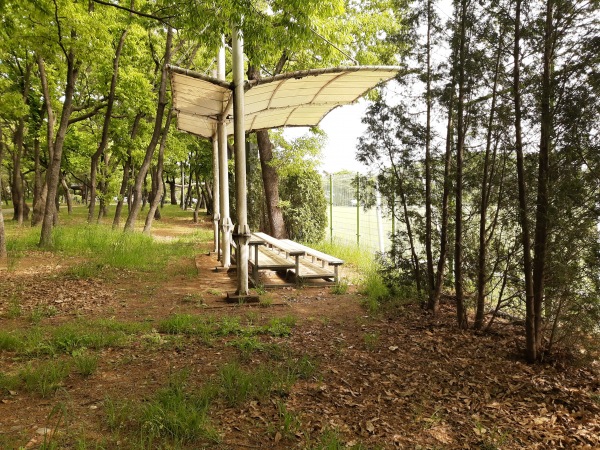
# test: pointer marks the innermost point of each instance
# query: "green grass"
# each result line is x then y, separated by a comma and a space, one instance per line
45, 378
104, 247
177, 415
85, 363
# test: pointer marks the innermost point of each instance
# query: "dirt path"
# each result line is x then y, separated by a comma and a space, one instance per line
404, 381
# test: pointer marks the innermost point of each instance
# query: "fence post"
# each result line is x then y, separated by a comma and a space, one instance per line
357, 209
331, 208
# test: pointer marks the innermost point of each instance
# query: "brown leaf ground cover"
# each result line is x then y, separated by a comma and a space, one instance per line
400, 379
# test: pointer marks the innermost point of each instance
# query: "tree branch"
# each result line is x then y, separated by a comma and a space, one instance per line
87, 115
137, 13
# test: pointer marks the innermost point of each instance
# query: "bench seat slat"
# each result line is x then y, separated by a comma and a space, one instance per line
331, 260
280, 244
268, 259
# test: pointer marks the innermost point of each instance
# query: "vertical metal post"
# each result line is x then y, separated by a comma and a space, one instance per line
379, 220
357, 210
393, 207
182, 185
226, 224
331, 208
241, 232
216, 200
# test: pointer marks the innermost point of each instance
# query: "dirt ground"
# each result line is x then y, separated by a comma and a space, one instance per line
398, 380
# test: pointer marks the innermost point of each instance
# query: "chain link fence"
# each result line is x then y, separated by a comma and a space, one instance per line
349, 221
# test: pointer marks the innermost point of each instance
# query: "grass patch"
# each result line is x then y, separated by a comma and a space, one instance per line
177, 415
85, 363
340, 288
45, 378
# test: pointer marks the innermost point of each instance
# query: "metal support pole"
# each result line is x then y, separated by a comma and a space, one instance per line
331, 208
216, 199
379, 220
241, 232
226, 224
357, 210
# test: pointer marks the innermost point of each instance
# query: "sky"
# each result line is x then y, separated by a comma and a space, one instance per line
343, 127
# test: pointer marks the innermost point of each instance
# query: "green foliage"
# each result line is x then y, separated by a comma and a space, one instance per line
304, 206
340, 288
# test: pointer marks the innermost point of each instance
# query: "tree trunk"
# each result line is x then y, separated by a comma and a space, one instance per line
53, 172
428, 213
157, 178
126, 173
172, 190
461, 316
269, 173
3, 252
541, 216
271, 186
40, 188
530, 338
483, 206
160, 110
65, 187
441, 264
21, 211
107, 117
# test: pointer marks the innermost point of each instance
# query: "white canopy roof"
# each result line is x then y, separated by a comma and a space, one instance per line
301, 98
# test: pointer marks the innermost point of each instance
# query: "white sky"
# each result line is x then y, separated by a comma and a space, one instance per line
343, 127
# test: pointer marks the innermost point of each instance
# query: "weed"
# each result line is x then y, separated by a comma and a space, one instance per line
260, 289
14, 308
265, 301
215, 292
85, 363
229, 326
371, 340
177, 415
341, 287
375, 290
56, 416
40, 312
44, 379
195, 299
247, 345
288, 420
11, 342
331, 440
117, 413
278, 327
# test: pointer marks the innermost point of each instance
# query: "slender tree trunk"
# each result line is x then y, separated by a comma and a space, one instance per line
530, 341
107, 117
21, 211
126, 173
40, 188
428, 213
53, 172
3, 252
441, 264
460, 143
159, 171
482, 257
541, 222
172, 190
270, 185
160, 110
68, 198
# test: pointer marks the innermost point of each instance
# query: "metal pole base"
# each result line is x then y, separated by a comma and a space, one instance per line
241, 236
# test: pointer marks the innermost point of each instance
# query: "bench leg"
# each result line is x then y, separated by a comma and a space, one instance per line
255, 267
335, 271
297, 268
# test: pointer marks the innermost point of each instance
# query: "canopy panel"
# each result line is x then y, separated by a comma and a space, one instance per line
293, 99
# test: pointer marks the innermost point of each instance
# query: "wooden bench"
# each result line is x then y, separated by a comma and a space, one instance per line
284, 255
316, 264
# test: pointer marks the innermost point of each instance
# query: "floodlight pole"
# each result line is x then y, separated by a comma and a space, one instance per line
226, 224
241, 232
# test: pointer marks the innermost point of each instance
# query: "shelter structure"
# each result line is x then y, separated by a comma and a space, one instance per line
214, 108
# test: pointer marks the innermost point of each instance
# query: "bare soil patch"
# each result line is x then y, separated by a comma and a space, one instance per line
400, 380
